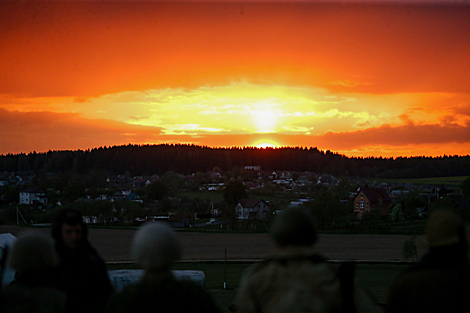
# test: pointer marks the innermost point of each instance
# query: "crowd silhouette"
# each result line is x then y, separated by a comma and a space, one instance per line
68, 275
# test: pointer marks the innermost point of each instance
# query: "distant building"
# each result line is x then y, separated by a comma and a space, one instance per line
181, 216
253, 168
134, 197
252, 208
371, 199
33, 196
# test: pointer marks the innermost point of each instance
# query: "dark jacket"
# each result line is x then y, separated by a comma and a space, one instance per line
440, 282
159, 291
34, 291
84, 279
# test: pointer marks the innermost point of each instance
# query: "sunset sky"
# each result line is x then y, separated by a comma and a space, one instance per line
360, 79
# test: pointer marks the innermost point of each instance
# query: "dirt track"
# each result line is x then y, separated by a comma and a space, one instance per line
114, 245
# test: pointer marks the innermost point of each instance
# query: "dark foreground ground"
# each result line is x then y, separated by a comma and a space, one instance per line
114, 245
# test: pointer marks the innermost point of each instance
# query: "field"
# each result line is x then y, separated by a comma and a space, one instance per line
454, 181
114, 245
206, 252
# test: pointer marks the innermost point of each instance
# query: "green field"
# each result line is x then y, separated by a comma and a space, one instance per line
376, 278
215, 196
454, 181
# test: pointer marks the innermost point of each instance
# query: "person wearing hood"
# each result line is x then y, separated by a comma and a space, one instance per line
155, 247
440, 281
84, 273
298, 279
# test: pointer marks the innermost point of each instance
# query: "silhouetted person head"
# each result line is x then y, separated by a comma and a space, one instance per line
439, 281
444, 228
155, 246
36, 287
69, 230
83, 271
447, 235
32, 251
294, 227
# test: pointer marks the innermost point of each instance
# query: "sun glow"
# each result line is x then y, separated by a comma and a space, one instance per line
265, 120
266, 143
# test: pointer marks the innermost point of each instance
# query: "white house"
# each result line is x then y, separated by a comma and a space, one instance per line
32, 196
252, 208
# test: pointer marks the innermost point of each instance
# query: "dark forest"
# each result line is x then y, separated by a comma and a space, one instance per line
187, 159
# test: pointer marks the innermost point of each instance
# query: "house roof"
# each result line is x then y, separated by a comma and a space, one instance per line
375, 193
133, 196
33, 190
250, 203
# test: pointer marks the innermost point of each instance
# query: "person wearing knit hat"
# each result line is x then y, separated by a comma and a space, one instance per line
36, 286
156, 247
32, 251
296, 278
440, 281
294, 227
444, 228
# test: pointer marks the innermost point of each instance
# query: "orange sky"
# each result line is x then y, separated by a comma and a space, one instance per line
360, 79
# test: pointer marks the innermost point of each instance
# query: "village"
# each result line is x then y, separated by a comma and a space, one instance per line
207, 200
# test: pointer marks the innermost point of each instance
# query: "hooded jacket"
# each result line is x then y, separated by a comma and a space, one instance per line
296, 279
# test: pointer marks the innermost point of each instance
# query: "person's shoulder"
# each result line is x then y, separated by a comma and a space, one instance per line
91, 254
200, 297
18, 294
124, 300
287, 258
189, 287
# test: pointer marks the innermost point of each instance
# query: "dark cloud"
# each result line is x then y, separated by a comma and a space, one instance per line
397, 136
43, 131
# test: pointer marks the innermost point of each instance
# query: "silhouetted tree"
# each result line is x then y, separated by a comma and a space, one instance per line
234, 192
410, 250
75, 190
157, 190
189, 159
328, 209
410, 202
466, 188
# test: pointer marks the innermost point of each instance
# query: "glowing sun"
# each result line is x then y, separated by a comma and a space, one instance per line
266, 144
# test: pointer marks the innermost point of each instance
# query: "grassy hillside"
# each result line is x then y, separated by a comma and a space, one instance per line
454, 181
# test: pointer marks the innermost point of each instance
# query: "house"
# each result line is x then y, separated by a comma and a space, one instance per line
215, 176
257, 185
120, 194
371, 199
33, 196
252, 208
62, 202
134, 197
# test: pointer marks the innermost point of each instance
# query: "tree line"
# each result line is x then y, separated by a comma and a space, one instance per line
187, 159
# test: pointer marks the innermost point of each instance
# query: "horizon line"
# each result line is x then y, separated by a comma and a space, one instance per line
325, 151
